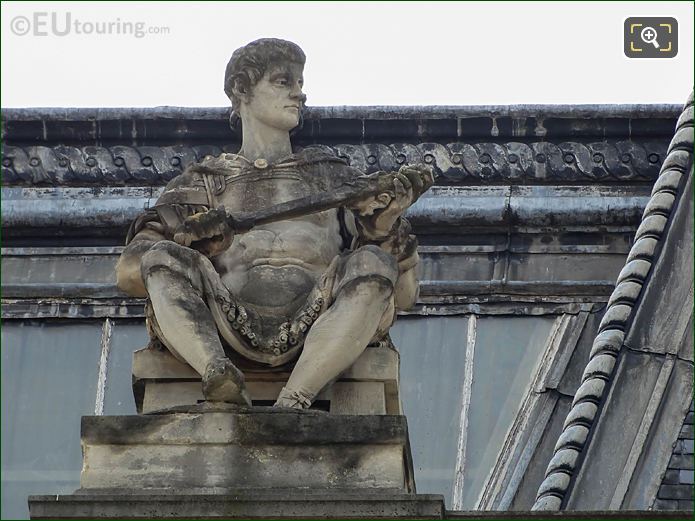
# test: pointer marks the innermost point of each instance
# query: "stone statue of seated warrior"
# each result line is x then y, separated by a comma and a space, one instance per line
313, 290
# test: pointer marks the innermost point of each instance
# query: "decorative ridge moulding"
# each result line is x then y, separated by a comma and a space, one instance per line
598, 373
456, 163
155, 125
589, 110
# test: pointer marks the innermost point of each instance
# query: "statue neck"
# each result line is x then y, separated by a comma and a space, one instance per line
260, 141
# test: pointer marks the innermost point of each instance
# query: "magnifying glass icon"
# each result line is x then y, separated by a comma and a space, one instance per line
648, 35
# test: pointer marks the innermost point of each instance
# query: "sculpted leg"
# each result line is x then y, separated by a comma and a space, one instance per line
340, 335
174, 284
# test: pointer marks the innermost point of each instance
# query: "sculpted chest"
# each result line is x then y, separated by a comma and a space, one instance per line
256, 189
253, 188
310, 241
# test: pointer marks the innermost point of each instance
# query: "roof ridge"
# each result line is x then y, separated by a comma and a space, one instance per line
598, 373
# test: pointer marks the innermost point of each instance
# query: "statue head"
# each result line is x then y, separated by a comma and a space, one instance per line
249, 64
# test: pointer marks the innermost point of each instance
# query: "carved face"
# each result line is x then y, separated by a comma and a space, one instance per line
277, 99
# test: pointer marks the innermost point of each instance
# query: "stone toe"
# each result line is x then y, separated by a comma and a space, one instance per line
223, 382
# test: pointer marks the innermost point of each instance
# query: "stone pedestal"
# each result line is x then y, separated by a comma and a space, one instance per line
221, 461
370, 386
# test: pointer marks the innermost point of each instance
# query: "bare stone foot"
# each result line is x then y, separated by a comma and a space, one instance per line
222, 382
292, 399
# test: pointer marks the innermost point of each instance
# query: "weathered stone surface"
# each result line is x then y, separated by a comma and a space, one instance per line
224, 461
260, 448
291, 505
243, 504
338, 398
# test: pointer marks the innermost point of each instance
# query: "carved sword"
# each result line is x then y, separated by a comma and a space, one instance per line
348, 193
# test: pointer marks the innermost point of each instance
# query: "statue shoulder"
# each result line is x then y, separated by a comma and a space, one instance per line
186, 188
190, 177
222, 164
325, 159
201, 177
319, 154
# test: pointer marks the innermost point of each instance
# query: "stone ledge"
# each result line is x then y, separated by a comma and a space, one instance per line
272, 504
254, 426
256, 504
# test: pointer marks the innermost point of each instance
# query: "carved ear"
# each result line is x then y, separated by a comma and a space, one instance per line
240, 92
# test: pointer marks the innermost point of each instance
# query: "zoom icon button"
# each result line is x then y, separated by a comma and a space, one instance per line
651, 37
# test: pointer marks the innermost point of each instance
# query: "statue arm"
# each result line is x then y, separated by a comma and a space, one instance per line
144, 233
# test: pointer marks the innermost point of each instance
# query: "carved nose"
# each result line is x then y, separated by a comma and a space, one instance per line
298, 94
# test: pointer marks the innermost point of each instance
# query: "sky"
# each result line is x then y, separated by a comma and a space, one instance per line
145, 54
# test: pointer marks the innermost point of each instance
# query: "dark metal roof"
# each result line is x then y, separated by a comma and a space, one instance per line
351, 125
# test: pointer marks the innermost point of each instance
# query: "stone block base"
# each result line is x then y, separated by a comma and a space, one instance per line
212, 448
246, 504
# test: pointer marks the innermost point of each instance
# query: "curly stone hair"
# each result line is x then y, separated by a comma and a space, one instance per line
249, 63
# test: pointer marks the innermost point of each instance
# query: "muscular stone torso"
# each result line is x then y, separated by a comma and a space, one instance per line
275, 266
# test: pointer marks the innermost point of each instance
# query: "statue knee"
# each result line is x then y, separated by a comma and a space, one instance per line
372, 260
166, 256
370, 271
371, 287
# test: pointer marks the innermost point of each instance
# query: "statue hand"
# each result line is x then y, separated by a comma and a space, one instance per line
380, 213
208, 232
420, 177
